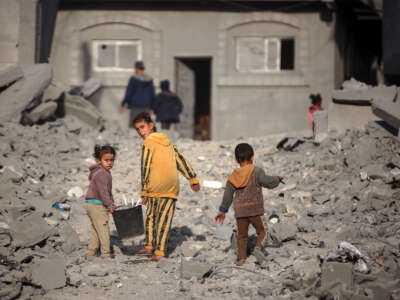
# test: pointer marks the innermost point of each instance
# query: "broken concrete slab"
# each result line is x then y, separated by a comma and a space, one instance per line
83, 110
29, 230
50, 273
389, 111
334, 272
191, 269
364, 96
41, 112
90, 86
10, 75
283, 232
224, 232
17, 97
308, 270
70, 238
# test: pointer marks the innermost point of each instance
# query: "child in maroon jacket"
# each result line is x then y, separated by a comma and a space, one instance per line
99, 200
244, 189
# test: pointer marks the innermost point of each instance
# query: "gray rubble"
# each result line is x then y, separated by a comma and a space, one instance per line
333, 227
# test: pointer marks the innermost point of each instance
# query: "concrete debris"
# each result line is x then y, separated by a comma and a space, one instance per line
389, 111
50, 273
10, 75
70, 238
83, 110
190, 269
41, 112
15, 99
29, 230
87, 89
365, 96
344, 190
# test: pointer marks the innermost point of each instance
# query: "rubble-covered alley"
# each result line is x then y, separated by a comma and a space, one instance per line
334, 230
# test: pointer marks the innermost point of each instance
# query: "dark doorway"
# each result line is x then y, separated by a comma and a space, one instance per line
193, 86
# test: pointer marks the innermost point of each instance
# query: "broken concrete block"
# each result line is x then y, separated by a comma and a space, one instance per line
389, 111
83, 110
308, 270
10, 75
191, 249
76, 191
50, 273
224, 232
29, 230
334, 272
191, 269
17, 97
42, 112
90, 86
364, 96
70, 238
283, 232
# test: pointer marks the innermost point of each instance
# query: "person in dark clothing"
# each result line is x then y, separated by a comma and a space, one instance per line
167, 106
139, 93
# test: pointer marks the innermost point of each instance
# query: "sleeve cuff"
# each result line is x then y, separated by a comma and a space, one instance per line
193, 181
223, 209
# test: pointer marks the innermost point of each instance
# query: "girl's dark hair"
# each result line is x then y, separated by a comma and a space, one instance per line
99, 151
144, 116
315, 98
243, 152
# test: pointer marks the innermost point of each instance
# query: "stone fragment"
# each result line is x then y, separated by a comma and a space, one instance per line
308, 270
334, 272
42, 112
283, 232
10, 75
50, 273
76, 191
17, 97
191, 269
224, 232
98, 273
364, 96
29, 230
70, 238
83, 110
389, 111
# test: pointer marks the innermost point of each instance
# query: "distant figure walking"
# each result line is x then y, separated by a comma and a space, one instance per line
139, 93
167, 106
316, 102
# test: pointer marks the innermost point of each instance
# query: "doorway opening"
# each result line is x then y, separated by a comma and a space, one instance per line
193, 86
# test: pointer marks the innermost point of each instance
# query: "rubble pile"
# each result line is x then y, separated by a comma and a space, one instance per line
333, 226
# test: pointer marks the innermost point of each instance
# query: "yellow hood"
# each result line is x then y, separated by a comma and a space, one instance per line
241, 176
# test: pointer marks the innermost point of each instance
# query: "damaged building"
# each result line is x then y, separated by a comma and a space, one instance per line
227, 60
244, 70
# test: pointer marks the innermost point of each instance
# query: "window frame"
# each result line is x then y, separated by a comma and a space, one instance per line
116, 43
266, 39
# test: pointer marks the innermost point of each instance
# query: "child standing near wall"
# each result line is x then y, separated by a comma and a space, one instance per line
99, 200
244, 189
160, 162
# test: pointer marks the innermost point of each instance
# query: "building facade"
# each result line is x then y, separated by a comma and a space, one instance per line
238, 73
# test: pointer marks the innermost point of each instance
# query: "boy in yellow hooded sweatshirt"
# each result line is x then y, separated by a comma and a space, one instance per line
160, 163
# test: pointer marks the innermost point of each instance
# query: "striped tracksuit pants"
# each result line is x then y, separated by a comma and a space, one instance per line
159, 214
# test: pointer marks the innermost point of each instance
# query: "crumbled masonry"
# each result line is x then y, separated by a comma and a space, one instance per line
334, 226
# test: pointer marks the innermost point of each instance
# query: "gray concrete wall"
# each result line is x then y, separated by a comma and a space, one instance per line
252, 104
9, 20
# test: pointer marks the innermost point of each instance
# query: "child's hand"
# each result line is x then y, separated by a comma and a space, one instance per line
219, 219
195, 187
111, 209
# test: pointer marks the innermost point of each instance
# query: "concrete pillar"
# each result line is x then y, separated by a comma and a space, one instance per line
27, 31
